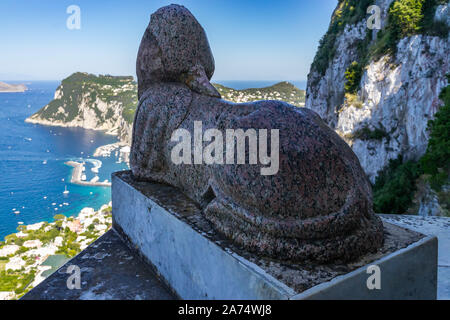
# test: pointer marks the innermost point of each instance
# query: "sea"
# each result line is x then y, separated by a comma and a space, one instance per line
33, 175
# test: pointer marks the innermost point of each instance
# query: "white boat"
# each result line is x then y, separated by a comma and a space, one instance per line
44, 162
65, 190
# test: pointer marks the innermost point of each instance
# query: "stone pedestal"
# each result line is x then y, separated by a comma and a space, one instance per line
169, 232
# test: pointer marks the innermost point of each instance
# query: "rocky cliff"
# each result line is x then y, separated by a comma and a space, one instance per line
108, 103
379, 88
84, 100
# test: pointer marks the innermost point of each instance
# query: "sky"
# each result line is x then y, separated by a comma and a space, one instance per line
250, 40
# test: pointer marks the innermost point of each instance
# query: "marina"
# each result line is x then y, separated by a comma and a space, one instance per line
77, 176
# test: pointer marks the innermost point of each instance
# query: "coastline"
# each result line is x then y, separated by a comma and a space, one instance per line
12, 91
25, 255
56, 123
77, 172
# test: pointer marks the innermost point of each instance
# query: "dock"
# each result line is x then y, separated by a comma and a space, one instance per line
77, 172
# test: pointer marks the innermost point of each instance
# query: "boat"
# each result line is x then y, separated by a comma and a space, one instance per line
65, 190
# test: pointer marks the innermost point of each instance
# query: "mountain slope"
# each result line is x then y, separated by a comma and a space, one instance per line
283, 91
379, 89
84, 100
108, 103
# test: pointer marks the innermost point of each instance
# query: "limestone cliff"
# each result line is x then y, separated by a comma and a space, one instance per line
108, 103
402, 71
104, 102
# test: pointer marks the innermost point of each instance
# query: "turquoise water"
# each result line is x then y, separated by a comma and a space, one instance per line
24, 148
24, 178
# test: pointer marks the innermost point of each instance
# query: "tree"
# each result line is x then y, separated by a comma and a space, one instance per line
436, 160
353, 76
59, 217
406, 17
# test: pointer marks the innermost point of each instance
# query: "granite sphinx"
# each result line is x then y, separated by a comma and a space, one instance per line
316, 207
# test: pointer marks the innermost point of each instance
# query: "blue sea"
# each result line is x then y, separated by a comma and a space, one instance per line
32, 162
33, 175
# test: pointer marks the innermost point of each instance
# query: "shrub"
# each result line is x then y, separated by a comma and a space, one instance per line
367, 134
395, 186
353, 76
59, 217
436, 161
405, 17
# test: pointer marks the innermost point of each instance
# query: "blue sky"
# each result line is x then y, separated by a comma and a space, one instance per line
250, 40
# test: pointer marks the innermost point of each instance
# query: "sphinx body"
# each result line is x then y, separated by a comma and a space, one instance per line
317, 207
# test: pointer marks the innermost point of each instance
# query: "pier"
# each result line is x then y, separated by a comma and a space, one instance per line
77, 172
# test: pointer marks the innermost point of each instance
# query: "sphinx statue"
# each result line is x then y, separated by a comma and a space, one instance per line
316, 203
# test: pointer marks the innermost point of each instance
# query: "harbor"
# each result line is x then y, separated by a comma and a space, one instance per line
78, 175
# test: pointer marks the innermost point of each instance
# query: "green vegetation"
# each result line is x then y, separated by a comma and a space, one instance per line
353, 76
58, 244
83, 87
90, 90
368, 134
59, 217
283, 91
348, 12
395, 186
15, 281
406, 18
70, 247
436, 161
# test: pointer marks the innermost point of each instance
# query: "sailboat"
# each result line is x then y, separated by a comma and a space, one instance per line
65, 190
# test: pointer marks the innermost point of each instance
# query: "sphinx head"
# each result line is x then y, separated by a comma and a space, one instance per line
175, 48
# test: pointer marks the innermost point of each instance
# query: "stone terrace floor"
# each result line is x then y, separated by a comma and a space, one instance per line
110, 270
431, 226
